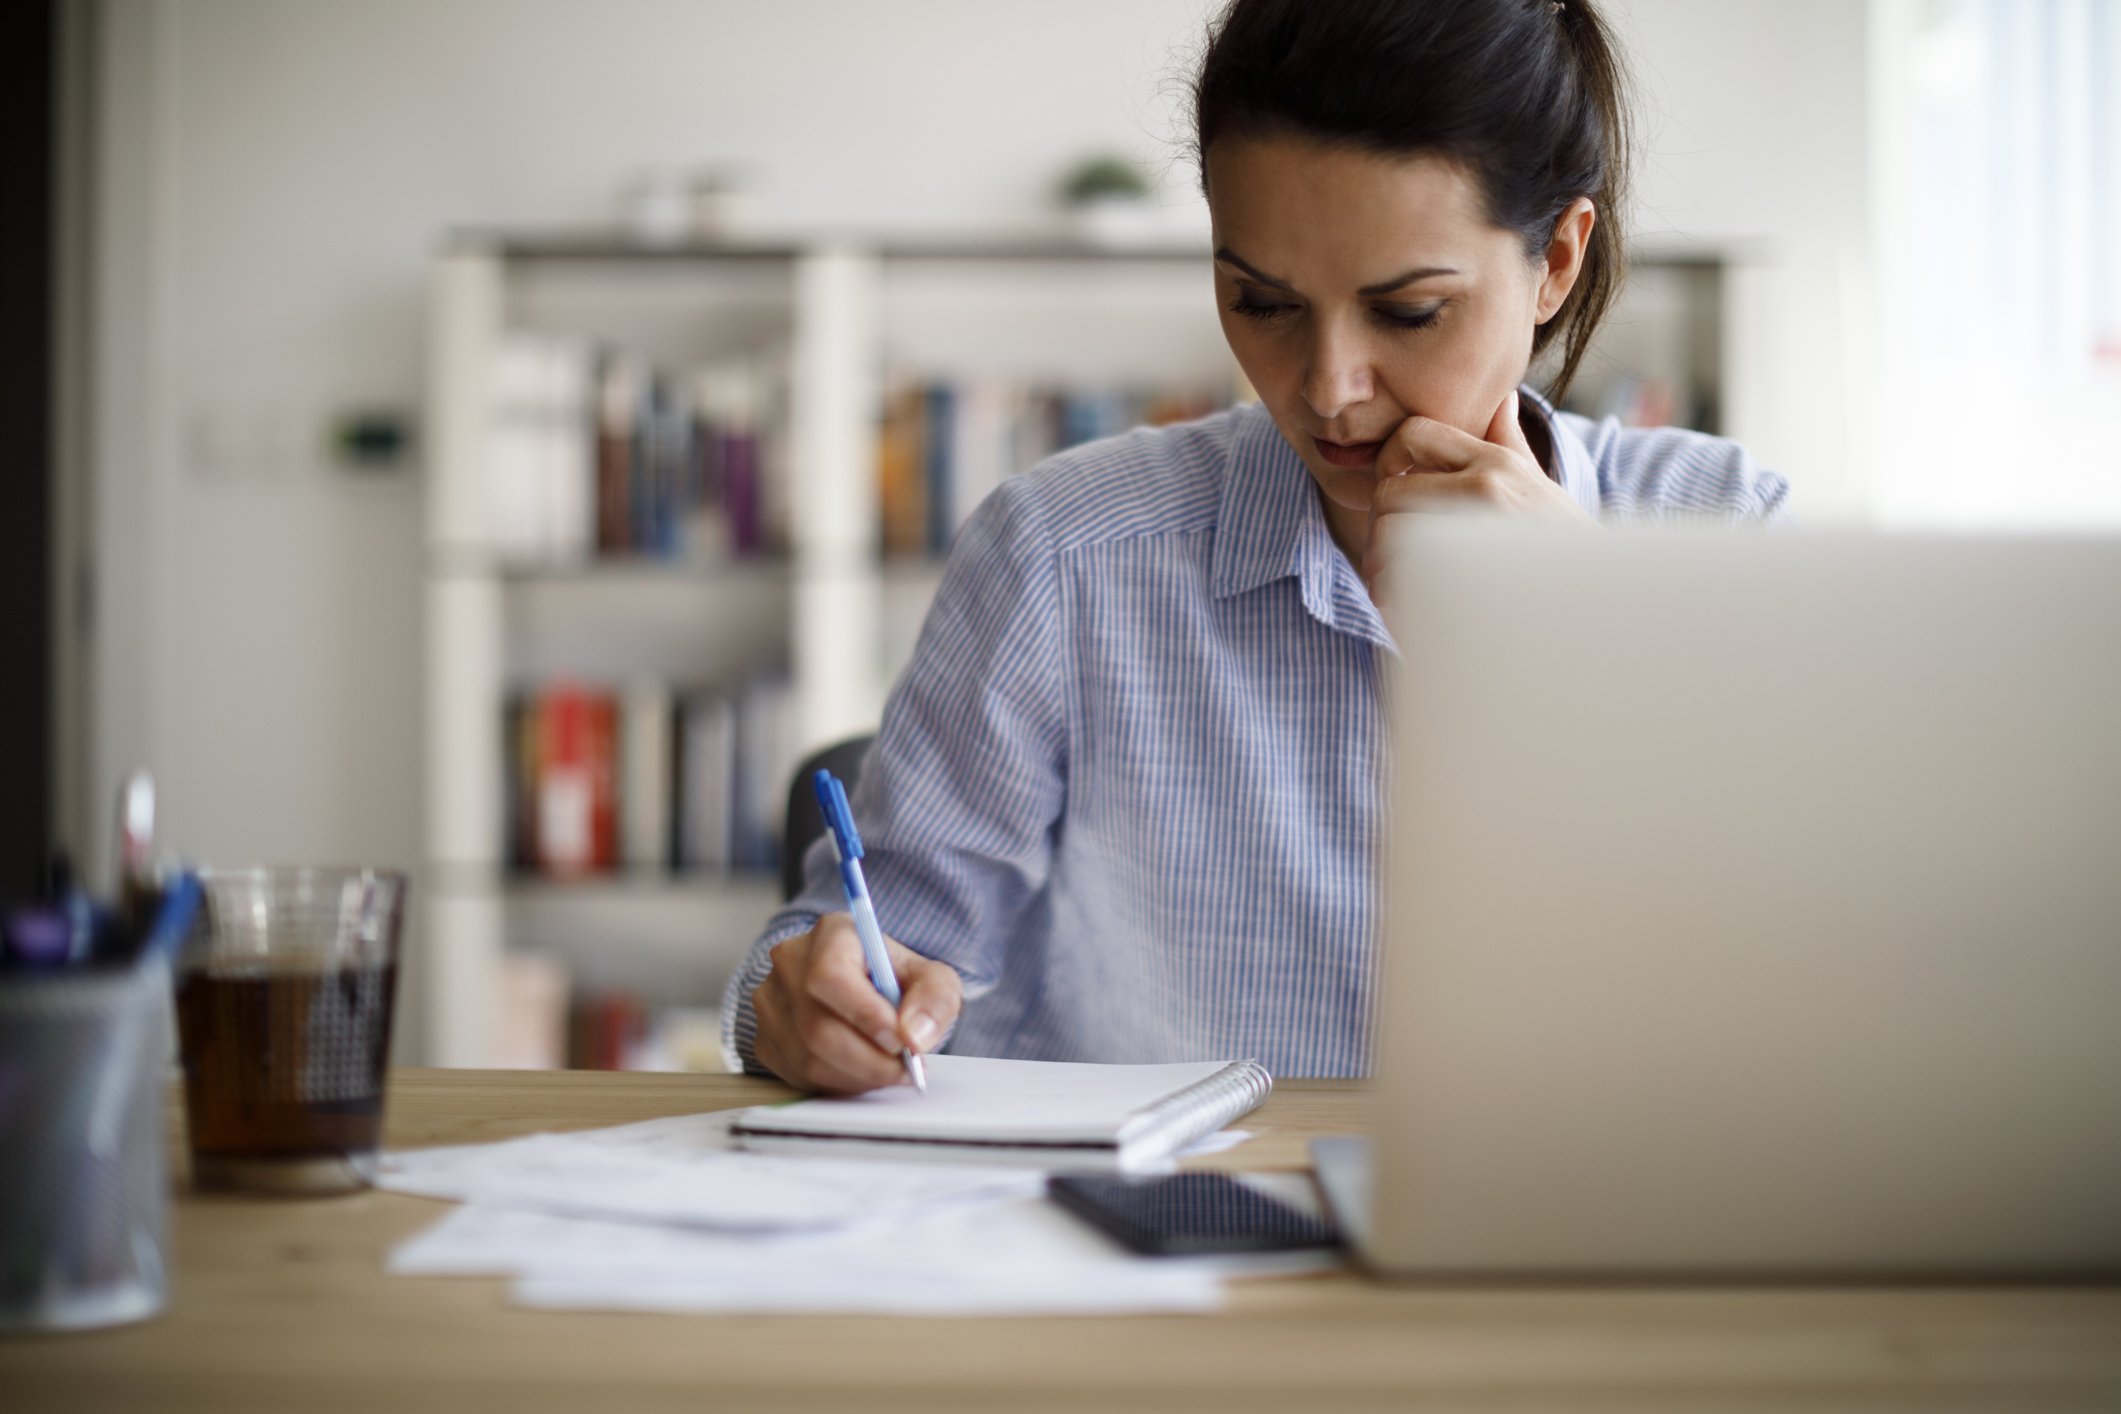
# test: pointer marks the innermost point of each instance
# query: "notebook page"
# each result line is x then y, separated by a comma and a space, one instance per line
1000, 1101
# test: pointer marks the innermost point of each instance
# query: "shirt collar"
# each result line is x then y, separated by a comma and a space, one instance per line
1270, 527
1575, 468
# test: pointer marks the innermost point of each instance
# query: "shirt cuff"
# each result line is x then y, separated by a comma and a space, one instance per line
740, 1023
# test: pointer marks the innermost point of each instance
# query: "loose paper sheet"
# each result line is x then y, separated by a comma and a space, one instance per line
665, 1216
1016, 1256
681, 1171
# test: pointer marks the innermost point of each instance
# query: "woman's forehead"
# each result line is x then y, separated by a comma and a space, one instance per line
1293, 205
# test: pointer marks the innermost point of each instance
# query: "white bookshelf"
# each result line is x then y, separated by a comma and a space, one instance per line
849, 314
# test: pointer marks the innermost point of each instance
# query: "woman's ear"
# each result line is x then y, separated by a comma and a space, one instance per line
1564, 257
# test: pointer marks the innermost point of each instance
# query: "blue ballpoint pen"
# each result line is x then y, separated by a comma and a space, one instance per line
847, 849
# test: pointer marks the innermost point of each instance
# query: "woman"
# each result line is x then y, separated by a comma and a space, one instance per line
1126, 802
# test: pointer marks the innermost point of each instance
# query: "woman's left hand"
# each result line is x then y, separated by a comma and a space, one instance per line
1429, 466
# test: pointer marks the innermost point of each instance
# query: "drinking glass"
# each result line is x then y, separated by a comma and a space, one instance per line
284, 1000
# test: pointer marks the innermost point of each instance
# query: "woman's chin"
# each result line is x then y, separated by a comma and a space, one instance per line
1352, 491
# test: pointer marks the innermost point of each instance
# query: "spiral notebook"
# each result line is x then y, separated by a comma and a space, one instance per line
1051, 1114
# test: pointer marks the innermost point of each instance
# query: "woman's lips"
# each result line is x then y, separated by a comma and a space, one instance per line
1353, 455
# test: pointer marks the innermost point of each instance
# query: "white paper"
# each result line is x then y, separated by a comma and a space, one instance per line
1005, 1101
1016, 1257
681, 1171
1220, 1142
665, 1216
920, 1295
480, 1239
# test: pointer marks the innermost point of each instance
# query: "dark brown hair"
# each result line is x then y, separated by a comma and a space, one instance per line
1529, 96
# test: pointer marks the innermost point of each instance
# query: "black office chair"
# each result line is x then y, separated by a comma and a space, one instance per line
806, 822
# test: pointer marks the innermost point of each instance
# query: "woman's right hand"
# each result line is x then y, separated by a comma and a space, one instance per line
824, 1026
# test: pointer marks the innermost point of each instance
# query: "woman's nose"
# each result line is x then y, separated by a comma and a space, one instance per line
1338, 377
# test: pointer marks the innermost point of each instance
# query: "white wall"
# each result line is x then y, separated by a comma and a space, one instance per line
275, 174
1754, 120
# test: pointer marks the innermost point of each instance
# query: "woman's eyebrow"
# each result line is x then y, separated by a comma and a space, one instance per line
1383, 287
1230, 257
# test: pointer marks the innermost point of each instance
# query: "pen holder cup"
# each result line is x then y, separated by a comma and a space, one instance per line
83, 1200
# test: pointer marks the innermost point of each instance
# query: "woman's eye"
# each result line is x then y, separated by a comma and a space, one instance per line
1258, 309
1403, 318
1393, 316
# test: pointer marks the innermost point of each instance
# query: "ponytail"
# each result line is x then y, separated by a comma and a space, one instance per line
1601, 76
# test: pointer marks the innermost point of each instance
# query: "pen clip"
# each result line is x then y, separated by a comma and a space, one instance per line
832, 799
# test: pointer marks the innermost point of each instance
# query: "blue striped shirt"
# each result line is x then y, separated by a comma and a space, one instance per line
1130, 786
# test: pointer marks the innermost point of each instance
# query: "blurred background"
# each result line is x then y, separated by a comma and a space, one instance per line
495, 438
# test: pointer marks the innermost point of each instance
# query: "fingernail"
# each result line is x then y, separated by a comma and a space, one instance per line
886, 1041
922, 1030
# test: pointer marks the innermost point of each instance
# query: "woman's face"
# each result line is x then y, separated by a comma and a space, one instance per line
1358, 290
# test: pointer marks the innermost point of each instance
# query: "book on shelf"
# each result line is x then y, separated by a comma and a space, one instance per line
533, 1012
547, 1022
707, 754
647, 757
619, 1029
944, 444
537, 461
605, 1029
765, 751
572, 737
646, 777
595, 452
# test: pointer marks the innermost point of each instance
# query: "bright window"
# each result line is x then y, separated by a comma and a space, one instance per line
1999, 131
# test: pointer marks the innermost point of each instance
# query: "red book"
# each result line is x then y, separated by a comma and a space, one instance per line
603, 763
621, 1024
565, 783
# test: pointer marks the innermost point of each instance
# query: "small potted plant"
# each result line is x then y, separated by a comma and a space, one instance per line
1106, 199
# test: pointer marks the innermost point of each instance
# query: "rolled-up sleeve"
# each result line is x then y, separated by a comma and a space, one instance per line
1661, 472
962, 792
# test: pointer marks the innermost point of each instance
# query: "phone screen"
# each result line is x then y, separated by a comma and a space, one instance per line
1189, 1213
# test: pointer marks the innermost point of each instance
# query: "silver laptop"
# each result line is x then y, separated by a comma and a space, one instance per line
1754, 908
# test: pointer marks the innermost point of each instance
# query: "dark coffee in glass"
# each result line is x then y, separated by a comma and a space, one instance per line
284, 1005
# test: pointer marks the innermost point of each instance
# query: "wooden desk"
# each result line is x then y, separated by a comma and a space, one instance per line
283, 1305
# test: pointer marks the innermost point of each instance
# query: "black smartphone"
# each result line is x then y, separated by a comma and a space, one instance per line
1188, 1213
